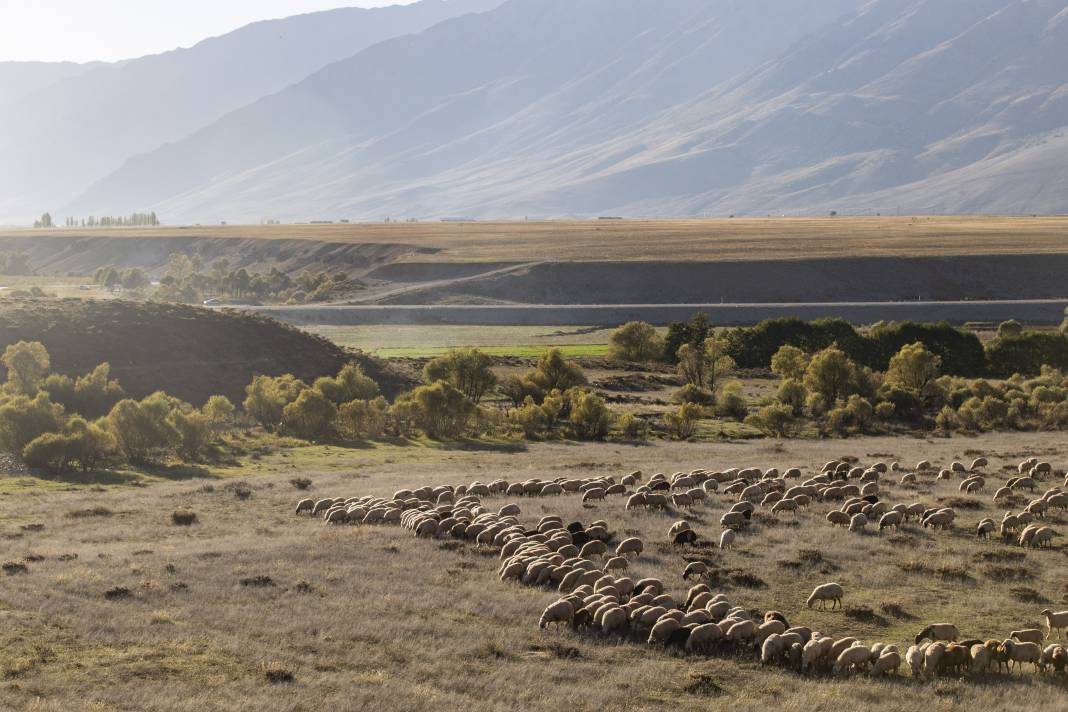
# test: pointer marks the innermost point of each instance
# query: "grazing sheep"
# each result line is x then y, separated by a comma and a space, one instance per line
662, 630
305, 505
827, 592
857, 522
694, 569
1020, 653
980, 656
687, 536
630, 546
726, 539
838, 518
978, 463
886, 663
985, 528
703, 636
617, 563
932, 658
937, 632
891, 519
914, 658
856, 657
558, 612
733, 520
594, 494
1055, 621
771, 650
1028, 635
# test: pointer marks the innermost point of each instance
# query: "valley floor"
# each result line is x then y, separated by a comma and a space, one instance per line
120, 609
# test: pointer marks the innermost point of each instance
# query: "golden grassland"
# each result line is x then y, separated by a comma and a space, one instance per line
120, 609
653, 240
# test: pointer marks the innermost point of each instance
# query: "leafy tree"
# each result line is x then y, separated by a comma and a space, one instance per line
789, 362
829, 375
632, 427
554, 372
730, 402
694, 332
692, 364
350, 384
219, 411
590, 418
441, 409
23, 419
92, 395
913, 368
792, 393
360, 419
531, 418
194, 433
267, 398
636, 341
143, 429
311, 416
469, 370
705, 365
27, 362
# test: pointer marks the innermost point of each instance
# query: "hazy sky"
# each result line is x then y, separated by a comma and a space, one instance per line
85, 30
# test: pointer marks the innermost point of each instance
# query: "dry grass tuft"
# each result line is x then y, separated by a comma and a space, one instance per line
895, 611
863, 614
118, 593
260, 581
277, 673
97, 511
184, 519
703, 684
301, 483
14, 567
1025, 594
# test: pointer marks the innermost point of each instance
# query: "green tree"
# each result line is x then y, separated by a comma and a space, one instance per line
1009, 329
219, 411
143, 430
792, 393
441, 409
92, 395
730, 401
554, 372
267, 397
311, 416
361, 419
23, 419
692, 364
829, 375
789, 362
590, 418
194, 433
469, 370
27, 362
350, 384
913, 368
636, 341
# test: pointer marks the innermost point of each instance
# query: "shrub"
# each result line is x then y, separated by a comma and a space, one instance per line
792, 393
469, 370
183, 518
884, 411
913, 368
694, 332
267, 397
517, 390
91, 395
636, 341
530, 418
730, 403
194, 433
690, 393
682, 424
554, 372
441, 409
789, 362
1027, 353
311, 416
23, 419
776, 420
143, 429
49, 451
861, 413
360, 419
349, 384
632, 427
830, 375
219, 411
590, 418
1009, 329
26, 362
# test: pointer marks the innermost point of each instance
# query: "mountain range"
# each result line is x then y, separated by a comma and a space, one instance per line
548, 108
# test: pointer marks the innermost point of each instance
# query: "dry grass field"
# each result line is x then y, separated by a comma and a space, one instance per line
653, 240
119, 608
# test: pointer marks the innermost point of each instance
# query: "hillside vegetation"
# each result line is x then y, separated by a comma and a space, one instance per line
191, 353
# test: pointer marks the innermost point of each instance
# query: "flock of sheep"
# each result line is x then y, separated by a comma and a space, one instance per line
587, 568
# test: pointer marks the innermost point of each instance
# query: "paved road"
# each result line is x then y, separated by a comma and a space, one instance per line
1042, 311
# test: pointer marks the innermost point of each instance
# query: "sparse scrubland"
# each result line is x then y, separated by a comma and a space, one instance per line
154, 554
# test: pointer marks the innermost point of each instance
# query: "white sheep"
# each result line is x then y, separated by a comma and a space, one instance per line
914, 658
1028, 635
726, 539
557, 612
826, 592
886, 663
855, 657
1055, 621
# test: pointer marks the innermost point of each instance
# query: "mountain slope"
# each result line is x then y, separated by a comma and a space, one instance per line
585, 107
73, 131
21, 79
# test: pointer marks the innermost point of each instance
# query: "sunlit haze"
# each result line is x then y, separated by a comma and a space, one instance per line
109, 30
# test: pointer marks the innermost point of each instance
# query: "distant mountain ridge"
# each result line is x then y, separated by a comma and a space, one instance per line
645, 107
85, 120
